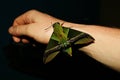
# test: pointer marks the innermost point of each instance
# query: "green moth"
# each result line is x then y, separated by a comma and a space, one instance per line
62, 39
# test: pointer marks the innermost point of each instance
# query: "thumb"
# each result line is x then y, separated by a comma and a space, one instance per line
19, 30
22, 30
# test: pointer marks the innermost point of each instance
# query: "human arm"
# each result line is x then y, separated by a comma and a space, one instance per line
106, 48
36, 25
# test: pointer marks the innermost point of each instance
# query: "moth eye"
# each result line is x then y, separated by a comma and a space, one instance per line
57, 23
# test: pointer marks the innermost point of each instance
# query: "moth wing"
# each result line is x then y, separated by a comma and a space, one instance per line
48, 58
54, 37
79, 38
85, 40
66, 31
68, 51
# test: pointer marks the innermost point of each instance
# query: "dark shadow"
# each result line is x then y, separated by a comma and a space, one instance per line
28, 60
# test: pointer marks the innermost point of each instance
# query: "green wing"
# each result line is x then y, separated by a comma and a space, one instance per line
66, 31
50, 57
60, 33
68, 51
54, 37
79, 38
47, 57
85, 39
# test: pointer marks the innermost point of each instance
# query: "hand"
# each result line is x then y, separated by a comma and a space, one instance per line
34, 24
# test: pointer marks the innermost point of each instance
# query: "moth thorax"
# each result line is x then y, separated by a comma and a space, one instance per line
65, 45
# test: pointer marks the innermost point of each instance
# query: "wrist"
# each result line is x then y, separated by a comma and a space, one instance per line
75, 26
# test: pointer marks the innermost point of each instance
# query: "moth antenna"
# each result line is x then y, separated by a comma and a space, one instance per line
49, 26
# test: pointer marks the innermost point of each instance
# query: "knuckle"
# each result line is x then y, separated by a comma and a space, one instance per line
16, 31
15, 21
33, 11
27, 30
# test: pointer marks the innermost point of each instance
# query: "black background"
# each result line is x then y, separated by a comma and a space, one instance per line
23, 62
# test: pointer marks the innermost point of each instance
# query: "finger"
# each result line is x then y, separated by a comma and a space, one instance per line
18, 30
16, 39
28, 30
25, 41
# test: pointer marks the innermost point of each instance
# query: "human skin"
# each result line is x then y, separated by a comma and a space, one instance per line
37, 25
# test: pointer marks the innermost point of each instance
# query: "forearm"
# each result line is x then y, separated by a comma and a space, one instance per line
106, 48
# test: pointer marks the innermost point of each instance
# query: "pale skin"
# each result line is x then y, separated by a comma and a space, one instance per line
37, 25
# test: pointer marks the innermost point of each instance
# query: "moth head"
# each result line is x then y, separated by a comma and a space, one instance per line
56, 24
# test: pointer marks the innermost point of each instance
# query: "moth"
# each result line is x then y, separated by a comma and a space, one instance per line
62, 39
